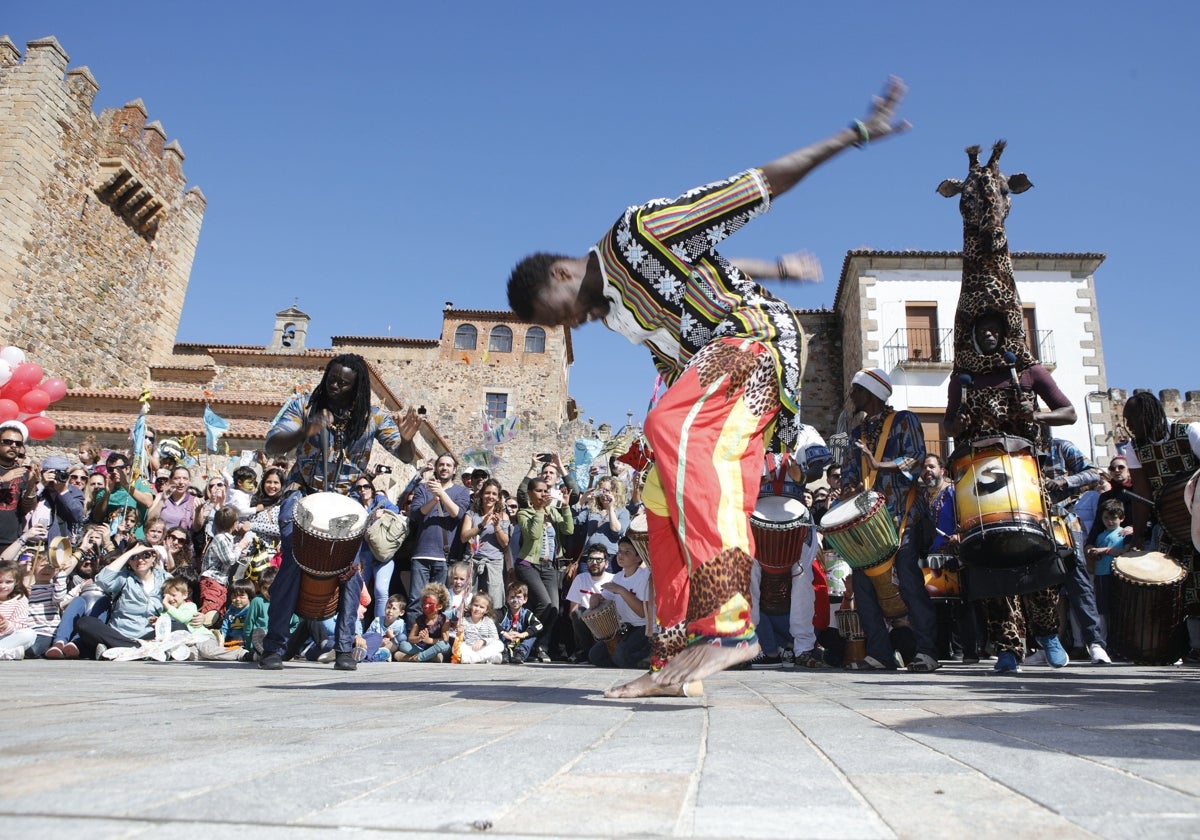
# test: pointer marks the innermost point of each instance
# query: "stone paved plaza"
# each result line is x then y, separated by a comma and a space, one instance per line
212, 750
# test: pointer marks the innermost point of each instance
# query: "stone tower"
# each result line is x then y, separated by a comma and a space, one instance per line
291, 331
97, 229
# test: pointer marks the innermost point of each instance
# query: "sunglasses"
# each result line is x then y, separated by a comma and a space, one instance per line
19, 444
176, 537
362, 486
118, 466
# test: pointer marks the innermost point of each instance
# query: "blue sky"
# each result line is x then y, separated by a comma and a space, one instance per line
375, 160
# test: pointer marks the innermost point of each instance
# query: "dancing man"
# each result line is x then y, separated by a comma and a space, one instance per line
331, 431
731, 355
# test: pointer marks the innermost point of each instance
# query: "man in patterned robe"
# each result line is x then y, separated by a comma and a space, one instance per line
731, 355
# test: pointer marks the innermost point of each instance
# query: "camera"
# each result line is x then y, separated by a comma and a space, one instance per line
60, 475
420, 409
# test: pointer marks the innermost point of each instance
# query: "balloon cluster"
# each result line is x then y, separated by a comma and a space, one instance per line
24, 395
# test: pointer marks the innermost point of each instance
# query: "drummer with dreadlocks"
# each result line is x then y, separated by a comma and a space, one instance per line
331, 430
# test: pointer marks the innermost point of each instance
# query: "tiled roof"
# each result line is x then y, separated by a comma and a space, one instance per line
179, 395
169, 425
385, 339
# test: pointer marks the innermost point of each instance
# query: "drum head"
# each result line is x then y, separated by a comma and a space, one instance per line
1148, 567
638, 524
851, 509
780, 509
332, 515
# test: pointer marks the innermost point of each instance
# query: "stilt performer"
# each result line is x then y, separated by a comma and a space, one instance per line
730, 352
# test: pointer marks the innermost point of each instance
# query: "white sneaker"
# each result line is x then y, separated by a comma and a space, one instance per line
12, 654
327, 657
1038, 657
1099, 654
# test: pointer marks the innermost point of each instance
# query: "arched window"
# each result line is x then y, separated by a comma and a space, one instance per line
289, 335
465, 337
501, 339
535, 340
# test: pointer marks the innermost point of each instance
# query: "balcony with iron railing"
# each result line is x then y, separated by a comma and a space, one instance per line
927, 349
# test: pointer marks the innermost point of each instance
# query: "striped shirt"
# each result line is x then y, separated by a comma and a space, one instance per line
670, 290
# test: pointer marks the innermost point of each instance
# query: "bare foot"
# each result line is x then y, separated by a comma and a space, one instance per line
695, 662
645, 686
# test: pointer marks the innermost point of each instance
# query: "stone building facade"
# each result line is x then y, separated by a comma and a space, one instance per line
95, 216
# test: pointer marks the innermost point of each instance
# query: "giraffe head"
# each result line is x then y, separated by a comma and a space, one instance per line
986, 196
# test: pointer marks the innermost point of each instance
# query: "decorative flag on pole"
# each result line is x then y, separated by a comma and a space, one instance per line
214, 427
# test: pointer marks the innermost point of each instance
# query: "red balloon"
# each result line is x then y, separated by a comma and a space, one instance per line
56, 388
40, 428
26, 373
14, 391
8, 410
34, 401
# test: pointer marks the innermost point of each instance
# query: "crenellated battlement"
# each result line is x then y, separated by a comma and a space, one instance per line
1183, 408
98, 217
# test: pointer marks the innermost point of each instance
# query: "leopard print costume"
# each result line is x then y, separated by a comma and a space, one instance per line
741, 365
987, 275
1007, 618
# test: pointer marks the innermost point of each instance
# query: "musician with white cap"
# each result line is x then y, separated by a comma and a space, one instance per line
885, 447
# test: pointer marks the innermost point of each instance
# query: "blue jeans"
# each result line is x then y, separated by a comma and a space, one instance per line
921, 614
377, 576
424, 572
286, 590
80, 606
1080, 593
424, 653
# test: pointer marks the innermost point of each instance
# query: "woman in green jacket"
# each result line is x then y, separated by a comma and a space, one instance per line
544, 525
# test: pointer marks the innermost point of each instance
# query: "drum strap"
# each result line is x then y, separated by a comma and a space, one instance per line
908, 503
880, 445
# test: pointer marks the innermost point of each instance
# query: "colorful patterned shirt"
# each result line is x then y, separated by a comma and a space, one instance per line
309, 469
671, 291
905, 440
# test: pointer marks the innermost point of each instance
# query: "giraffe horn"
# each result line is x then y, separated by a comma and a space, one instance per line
973, 156
997, 150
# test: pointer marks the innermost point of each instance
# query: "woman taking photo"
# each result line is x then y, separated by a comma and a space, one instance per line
487, 529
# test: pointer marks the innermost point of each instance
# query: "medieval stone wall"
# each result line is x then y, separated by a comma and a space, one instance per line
821, 389
1183, 408
95, 224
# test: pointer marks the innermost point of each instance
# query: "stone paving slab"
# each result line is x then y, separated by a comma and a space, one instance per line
127, 750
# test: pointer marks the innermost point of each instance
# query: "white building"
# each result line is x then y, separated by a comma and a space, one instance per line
897, 313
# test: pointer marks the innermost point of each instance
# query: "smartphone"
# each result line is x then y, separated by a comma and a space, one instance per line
545, 457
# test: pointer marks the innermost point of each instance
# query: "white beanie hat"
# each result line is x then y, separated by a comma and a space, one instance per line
875, 381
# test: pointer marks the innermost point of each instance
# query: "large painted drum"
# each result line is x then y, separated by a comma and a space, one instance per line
1147, 609
1002, 512
860, 530
780, 525
329, 531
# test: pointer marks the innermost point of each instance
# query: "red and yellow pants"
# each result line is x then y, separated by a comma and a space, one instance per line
707, 434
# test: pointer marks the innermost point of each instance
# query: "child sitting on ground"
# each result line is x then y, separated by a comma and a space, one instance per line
519, 627
15, 632
381, 640
458, 578
233, 629
480, 639
256, 618
427, 640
